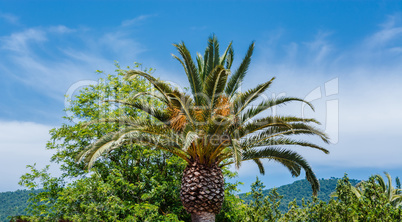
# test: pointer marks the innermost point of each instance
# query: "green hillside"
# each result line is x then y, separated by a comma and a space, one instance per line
14, 203
302, 189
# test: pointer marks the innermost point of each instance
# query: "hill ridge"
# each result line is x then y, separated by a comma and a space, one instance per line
300, 189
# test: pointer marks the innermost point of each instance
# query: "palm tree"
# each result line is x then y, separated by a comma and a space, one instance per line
393, 195
212, 127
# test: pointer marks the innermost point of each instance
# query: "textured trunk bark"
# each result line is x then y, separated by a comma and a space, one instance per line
203, 217
202, 189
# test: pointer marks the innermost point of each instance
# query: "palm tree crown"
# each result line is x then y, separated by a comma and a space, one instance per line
214, 124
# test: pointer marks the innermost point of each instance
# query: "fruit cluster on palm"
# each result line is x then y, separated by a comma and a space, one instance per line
212, 126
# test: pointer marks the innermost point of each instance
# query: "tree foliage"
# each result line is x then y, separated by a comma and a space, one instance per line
394, 195
134, 183
372, 205
138, 182
262, 208
208, 128
211, 125
301, 189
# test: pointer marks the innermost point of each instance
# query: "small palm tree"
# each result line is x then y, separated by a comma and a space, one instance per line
394, 195
212, 127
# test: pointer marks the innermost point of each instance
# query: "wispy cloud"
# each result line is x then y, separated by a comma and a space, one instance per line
390, 31
41, 63
10, 18
19, 42
369, 91
48, 60
137, 20
60, 29
320, 47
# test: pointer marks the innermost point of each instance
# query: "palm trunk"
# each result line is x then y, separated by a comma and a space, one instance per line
202, 191
203, 217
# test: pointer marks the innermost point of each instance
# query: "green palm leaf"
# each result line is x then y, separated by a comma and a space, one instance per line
269, 103
290, 159
245, 99
191, 70
237, 78
215, 84
161, 86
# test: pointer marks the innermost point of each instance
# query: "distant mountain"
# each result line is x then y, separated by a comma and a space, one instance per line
14, 203
302, 189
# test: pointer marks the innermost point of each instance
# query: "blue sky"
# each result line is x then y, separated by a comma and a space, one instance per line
344, 56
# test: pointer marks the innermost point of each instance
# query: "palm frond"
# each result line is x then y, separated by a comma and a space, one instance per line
236, 150
225, 55
209, 57
92, 157
229, 58
237, 78
108, 138
244, 99
293, 167
257, 141
200, 66
260, 124
355, 191
105, 144
269, 103
304, 129
145, 107
191, 137
288, 158
260, 166
215, 84
159, 141
161, 86
122, 121
216, 52
292, 129
151, 94
190, 69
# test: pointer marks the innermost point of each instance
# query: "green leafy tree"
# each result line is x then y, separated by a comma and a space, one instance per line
208, 128
132, 171
262, 208
394, 195
133, 183
372, 205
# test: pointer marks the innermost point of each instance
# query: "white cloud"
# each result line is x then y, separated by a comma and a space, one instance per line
390, 31
136, 20
19, 42
21, 143
368, 97
10, 18
121, 44
320, 47
61, 29
39, 64
198, 28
